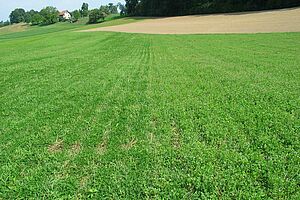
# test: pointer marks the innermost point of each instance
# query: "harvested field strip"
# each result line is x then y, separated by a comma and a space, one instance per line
285, 20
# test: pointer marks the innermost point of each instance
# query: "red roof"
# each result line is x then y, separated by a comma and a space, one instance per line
63, 12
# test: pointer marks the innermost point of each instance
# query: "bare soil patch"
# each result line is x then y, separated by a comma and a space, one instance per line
284, 20
175, 135
75, 148
102, 147
57, 146
129, 145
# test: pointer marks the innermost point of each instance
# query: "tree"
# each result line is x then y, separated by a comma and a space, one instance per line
37, 19
105, 9
95, 15
17, 16
186, 7
27, 18
7, 23
29, 15
113, 9
2, 23
84, 10
75, 15
122, 8
131, 6
103, 15
50, 15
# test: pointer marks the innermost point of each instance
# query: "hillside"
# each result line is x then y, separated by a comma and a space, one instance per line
285, 20
109, 115
25, 30
13, 28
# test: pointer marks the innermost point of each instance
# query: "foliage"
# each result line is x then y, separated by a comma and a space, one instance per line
50, 15
17, 15
105, 9
95, 15
2, 23
6, 23
122, 8
37, 19
131, 6
29, 16
184, 7
113, 9
76, 15
84, 10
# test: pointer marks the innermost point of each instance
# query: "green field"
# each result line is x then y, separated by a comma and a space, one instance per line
132, 116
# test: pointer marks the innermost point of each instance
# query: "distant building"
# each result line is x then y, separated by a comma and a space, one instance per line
65, 15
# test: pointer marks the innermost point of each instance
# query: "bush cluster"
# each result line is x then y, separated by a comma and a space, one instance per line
97, 15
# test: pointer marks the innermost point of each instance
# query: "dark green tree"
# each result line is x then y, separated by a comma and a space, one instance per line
27, 18
50, 15
131, 6
75, 15
37, 19
95, 15
29, 15
186, 7
17, 16
84, 10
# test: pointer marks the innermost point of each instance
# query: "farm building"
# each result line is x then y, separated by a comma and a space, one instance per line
65, 15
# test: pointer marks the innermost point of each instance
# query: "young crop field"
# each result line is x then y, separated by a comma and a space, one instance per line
134, 116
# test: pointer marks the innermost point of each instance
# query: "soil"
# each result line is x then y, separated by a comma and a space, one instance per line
284, 20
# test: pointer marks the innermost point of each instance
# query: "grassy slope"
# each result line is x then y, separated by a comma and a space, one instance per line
23, 30
134, 116
13, 28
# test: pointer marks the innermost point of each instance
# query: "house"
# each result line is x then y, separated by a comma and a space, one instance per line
65, 15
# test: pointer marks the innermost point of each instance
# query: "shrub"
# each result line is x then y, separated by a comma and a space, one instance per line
95, 15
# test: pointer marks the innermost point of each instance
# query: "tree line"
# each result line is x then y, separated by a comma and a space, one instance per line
2, 23
50, 15
190, 7
97, 15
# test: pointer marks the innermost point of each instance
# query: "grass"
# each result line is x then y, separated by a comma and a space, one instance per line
23, 30
13, 28
132, 116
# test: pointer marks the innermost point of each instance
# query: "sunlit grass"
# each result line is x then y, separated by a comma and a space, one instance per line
132, 116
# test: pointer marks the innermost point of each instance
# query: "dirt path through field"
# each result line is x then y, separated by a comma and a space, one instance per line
285, 20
